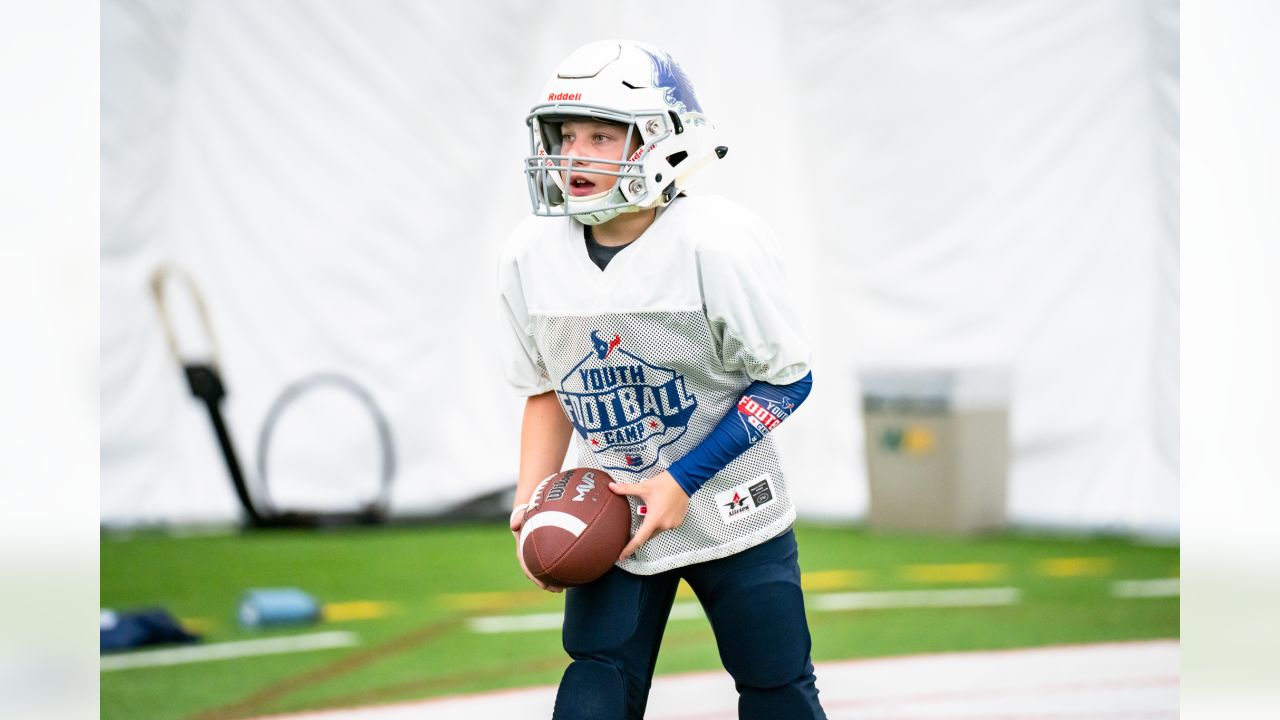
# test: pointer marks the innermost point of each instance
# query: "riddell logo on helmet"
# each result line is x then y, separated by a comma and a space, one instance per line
564, 96
640, 151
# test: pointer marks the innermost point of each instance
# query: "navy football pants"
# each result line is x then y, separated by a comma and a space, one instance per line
613, 627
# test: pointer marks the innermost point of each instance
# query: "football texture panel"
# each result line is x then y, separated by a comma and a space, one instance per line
575, 527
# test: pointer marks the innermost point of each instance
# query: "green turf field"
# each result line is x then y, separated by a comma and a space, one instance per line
408, 594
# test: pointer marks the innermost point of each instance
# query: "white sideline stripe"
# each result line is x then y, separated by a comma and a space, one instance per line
916, 598
1163, 587
1082, 682
1079, 682
229, 650
821, 602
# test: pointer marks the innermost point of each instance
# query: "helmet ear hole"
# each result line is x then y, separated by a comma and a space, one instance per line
676, 158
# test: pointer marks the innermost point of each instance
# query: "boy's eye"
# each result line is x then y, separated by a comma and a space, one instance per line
600, 137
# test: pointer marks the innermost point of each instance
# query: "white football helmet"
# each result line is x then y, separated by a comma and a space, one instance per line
634, 84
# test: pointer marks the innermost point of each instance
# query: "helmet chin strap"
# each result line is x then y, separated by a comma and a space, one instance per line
597, 217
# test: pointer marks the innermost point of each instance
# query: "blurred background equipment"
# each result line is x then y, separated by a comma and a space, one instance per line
269, 607
128, 630
937, 448
205, 381
204, 378
374, 508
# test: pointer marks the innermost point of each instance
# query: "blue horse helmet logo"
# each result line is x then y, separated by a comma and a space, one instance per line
668, 75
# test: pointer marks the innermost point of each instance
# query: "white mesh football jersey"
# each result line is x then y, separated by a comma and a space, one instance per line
649, 354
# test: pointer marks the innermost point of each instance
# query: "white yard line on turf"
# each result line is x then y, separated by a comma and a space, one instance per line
1162, 587
553, 620
818, 602
516, 623
976, 597
229, 650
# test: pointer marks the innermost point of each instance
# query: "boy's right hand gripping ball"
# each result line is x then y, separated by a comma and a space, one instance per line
575, 527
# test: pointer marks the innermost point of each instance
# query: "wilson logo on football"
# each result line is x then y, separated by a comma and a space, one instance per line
587, 485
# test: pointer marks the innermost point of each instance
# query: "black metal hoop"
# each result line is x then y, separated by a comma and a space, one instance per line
380, 507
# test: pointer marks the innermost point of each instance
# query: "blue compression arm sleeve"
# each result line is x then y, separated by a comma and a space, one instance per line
762, 408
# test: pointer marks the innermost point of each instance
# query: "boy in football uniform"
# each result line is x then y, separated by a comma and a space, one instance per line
653, 328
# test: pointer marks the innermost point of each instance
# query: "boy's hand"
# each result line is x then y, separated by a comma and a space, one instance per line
517, 522
666, 505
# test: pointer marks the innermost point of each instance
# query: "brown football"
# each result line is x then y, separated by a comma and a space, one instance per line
575, 527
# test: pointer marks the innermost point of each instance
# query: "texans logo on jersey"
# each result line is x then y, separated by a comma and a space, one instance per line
626, 409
